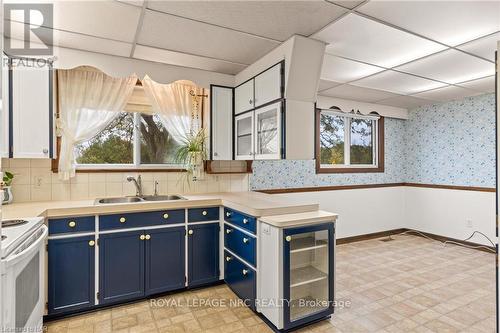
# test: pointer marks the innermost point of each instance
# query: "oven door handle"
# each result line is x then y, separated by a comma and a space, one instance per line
20, 256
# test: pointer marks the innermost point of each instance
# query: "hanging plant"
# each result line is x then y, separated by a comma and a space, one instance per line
192, 152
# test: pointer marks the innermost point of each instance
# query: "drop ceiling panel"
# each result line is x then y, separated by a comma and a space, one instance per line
76, 41
398, 83
325, 84
273, 19
448, 22
347, 91
446, 94
106, 19
359, 38
483, 47
450, 66
347, 3
407, 102
186, 60
486, 84
343, 70
179, 34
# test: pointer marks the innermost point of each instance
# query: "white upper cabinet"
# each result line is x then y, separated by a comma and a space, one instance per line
268, 132
32, 117
4, 138
243, 97
268, 86
221, 130
244, 136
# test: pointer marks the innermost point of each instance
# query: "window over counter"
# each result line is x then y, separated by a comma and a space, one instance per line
349, 142
133, 140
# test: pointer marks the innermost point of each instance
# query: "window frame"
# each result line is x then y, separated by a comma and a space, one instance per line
378, 147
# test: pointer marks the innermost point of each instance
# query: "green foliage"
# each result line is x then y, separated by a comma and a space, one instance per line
8, 178
192, 143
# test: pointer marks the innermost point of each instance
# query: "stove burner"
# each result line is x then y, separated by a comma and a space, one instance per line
4, 237
13, 223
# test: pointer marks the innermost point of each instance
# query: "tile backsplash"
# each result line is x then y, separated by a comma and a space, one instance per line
34, 181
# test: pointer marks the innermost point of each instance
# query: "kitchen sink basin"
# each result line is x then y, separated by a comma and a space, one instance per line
118, 200
162, 197
138, 199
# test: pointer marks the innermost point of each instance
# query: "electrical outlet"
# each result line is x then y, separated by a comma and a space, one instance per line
469, 223
38, 181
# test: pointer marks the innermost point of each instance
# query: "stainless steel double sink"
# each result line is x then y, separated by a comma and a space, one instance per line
144, 198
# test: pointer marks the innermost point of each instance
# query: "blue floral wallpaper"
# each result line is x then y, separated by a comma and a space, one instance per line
446, 144
452, 143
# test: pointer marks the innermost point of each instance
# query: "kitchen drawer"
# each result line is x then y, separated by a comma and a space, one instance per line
145, 219
247, 222
71, 225
203, 214
241, 244
240, 278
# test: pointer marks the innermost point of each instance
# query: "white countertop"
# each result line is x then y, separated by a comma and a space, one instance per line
252, 203
297, 219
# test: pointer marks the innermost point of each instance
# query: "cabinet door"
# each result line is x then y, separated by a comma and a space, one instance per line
31, 112
165, 259
243, 97
221, 129
268, 86
71, 274
203, 253
121, 266
268, 132
308, 268
244, 138
4, 119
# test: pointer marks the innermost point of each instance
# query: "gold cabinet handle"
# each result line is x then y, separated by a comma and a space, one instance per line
122, 220
190, 231
246, 240
228, 214
245, 221
91, 243
165, 216
142, 237
228, 231
288, 238
72, 224
228, 258
148, 237
204, 213
244, 272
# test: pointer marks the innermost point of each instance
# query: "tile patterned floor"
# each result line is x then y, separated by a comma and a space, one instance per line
409, 284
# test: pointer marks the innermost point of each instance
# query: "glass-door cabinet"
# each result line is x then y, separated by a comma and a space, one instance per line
244, 136
268, 132
308, 269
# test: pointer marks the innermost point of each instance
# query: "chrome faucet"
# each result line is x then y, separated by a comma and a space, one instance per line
137, 183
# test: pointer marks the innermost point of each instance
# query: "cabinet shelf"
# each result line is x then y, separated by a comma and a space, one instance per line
297, 311
305, 275
306, 244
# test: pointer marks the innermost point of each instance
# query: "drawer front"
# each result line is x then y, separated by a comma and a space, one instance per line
146, 219
240, 278
203, 214
247, 222
69, 225
241, 244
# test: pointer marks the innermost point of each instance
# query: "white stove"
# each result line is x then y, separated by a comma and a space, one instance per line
15, 232
23, 275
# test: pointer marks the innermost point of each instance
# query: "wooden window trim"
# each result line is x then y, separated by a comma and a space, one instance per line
380, 149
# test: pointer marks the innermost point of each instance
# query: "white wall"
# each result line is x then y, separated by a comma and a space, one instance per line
446, 212
361, 211
439, 211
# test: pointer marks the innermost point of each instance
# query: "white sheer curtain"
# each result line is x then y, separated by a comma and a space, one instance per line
88, 102
175, 105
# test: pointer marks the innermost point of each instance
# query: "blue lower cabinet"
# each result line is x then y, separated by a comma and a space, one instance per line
121, 265
203, 253
71, 274
240, 278
165, 259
